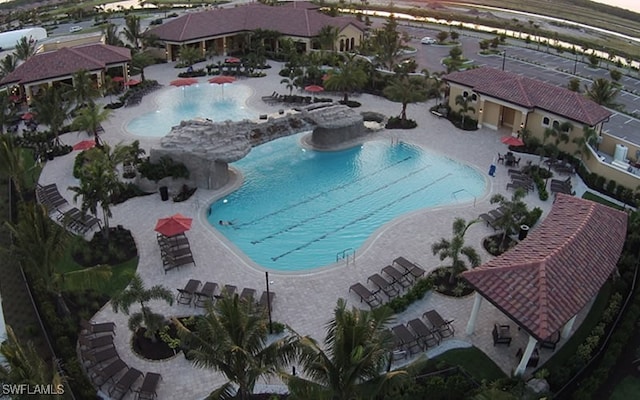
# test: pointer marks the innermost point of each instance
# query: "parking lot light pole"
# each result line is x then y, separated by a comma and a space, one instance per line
504, 58
575, 65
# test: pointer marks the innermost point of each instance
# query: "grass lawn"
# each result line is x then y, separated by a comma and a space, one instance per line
601, 200
475, 362
629, 388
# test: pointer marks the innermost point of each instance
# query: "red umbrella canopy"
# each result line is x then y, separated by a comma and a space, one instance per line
314, 88
512, 141
117, 79
173, 225
132, 82
27, 116
84, 145
183, 82
232, 60
222, 79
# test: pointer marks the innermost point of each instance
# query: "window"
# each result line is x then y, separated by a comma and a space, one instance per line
545, 121
341, 44
556, 124
465, 94
352, 42
474, 97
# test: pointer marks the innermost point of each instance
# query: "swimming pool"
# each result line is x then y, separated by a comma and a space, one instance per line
298, 208
202, 100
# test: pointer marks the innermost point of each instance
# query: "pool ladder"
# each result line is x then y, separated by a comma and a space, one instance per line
346, 254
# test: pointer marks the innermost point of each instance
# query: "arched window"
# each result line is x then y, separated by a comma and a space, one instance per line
556, 124
353, 43
465, 94
474, 97
341, 44
545, 121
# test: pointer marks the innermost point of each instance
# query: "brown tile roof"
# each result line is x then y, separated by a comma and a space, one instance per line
531, 93
551, 275
66, 61
297, 21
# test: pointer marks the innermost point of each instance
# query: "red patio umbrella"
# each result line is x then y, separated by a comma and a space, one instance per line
221, 80
27, 116
117, 79
314, 88
84, 145
512, 141
232, 60
132, 82
173, 225
183, 82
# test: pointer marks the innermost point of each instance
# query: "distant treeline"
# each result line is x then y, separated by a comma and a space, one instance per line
15, 4
604, 8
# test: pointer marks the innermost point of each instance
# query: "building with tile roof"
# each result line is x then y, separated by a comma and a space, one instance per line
545, 280
58, 66
226, 30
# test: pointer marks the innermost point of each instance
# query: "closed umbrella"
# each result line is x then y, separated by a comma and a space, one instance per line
173, 225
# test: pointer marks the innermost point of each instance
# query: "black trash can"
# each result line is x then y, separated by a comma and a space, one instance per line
164, 193
524, 231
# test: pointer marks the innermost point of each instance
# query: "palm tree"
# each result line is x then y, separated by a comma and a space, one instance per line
7, 110
513, 212
24, 49
588, 139
328, 36
110, 32
145, 318
602, 91
90, 119
8, 65
388, 43
465, 107
352, 362
24, 365
231, 338
455, 247
141, 61
289, 83
348, 77
53, 108
132, 31
84, 88
405, 90
12, 163
560, 132
189, 55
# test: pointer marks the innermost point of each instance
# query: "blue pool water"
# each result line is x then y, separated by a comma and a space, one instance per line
203, 100
298, 208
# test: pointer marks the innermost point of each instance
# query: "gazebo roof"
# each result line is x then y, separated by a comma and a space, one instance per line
551, 275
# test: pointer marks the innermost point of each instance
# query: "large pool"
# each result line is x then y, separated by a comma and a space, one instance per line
297, 208
203, 100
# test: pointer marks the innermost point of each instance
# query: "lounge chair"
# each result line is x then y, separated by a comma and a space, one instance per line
518, 185
101, 376
186, 294
407, 338
229, 290
169, 261
501, 334
101, 356
410, 268
490, 220
149, 386
206, 294
124, 384
267, 299
443, 327
397, 276
90, 343
100, 328
384, 285
365, 295
425, 335
248, 294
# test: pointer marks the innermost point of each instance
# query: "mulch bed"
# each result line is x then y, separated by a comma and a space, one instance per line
150, 350
442, 285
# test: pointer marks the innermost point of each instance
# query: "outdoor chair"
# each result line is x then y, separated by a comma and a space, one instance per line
490, 220
101, 356
518, 185
443, 327
500, 158
410, 268
149, 386
428, 337
95, 343
533, 360
406, 337
551, 342
365, 295
248, 294
384, 285
95, 329
228, 290
501, 334
397, 276
100, 376
124, 384
206, 294
186, 294
267, 299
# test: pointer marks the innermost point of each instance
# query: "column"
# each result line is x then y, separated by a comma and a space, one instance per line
224, 46
471, 324
525, 357
203, 48
480, 113
566, 329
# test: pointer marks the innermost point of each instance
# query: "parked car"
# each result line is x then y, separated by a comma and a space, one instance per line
427, 40
74, 29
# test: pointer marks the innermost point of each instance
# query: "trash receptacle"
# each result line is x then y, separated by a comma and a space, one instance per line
524, 230
164, 193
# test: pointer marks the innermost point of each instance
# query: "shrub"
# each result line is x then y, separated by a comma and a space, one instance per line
532, 217
611, 186
164, 168
192, 74
398, 123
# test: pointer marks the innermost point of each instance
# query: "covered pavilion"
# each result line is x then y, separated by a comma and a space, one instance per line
543, 282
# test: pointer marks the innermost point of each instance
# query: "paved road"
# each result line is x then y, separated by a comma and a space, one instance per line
553, 68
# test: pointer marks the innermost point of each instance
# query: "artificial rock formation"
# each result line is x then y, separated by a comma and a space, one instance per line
206, 148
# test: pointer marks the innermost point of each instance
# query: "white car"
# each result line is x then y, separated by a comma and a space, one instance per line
74, 29
427, 40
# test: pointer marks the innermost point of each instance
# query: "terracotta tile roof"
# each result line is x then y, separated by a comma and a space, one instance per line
297, 21
66, 61
531, 93
552, 274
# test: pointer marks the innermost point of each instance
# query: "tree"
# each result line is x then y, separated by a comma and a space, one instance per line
455, 248
405, 90
350, 76
454, 36
145, 318
24, 365
574, 85
141, 61
85, 90
513, 213
111, 37
25, 49
454, 62
588, 139
8, 65
12, 163
351, 363
594, 60
289, 83
442, 36
132, 31
189, 55
90, 119
232, 339
465, 107
615, 75
53, 108
328, 36
388, 43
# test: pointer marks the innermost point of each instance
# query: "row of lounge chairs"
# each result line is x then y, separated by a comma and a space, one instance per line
73, 219
402, 274
97, 347
561, 186
50, 197
520, 180
192, 294
492, 217
137, 95
175, 251
420, 334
